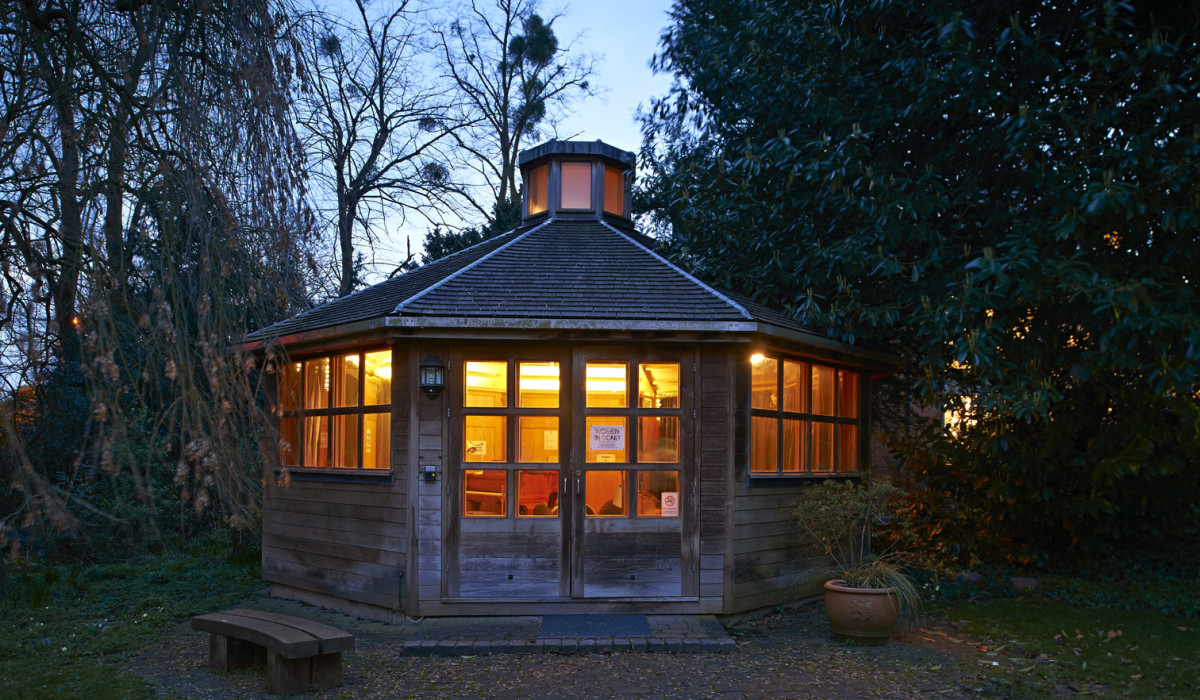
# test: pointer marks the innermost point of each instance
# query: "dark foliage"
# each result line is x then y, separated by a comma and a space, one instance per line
1007, 195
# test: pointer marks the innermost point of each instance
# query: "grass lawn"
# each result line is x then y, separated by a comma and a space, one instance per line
1047, 647
64, 628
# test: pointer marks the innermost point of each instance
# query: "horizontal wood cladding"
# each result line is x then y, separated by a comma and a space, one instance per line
344, 538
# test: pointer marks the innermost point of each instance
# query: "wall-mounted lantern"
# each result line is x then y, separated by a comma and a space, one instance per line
432, 377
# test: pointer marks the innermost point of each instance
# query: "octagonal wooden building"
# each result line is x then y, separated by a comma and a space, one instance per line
554, 420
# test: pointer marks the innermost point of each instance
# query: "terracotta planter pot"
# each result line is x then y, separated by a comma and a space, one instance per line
861, 615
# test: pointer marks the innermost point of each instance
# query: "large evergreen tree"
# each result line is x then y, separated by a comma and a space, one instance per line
1007, 193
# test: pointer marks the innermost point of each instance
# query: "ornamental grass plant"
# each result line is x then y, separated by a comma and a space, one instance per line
839, 517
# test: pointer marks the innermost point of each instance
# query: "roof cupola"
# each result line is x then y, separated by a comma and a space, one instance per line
575, 180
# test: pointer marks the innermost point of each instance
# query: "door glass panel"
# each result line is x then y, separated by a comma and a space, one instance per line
538, 441
345, 381
658, 385
484, 439
658, 494
822, 390
537, 384
377, 440
486, 384
794, 450
345, 442
484, 492
658, 439
537, 493
847, 448
316, 383
793, 386
764, 376
764, 443
822, 447
604, 493
605, 437
847, 394
378, 388
606, 382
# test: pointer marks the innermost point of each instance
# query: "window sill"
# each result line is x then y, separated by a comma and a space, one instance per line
756, 481
383, 477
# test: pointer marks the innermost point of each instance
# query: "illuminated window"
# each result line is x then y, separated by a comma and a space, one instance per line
606, 384
335, 412
804, 418
604, 494
576, 185
539, 189
486, 385
485, 492
614, 191
537, 493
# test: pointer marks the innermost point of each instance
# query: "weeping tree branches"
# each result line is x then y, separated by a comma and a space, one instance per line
150, 216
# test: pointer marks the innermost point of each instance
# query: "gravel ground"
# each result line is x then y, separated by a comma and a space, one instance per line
787, 654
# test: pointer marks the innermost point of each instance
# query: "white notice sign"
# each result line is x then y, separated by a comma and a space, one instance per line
607, 437
670, 504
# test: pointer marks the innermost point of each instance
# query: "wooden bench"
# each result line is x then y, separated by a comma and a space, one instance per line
298, 653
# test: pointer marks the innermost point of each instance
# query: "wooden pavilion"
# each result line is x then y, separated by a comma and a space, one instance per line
554, 420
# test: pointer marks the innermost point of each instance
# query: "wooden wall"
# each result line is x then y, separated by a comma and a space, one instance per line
345, 535
715, 436
769, 566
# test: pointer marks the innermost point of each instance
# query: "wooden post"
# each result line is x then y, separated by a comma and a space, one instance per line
288, 676
229, 653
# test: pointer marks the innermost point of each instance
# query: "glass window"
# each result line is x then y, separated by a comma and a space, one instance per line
538, 441
378, 384
377, 440
316, 383
813, 429
658, 385
793, 387
795, 452
345, 381
604, 493
537, 384
822, 390
822, 436
484, 439
484, 492
606, 384
847, 448
326, 424
486, 384
658, 439
290, 386
764, 441
537, 493
658, 494
316, 441
847, 394
576, 185
605, 437
614, 191
539, 189
291, 439
345, 441
763, 382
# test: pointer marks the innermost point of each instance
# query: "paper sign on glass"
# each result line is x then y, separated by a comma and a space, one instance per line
607, 437
670, 504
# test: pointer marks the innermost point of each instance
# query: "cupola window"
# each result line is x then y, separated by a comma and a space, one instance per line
614, 191
539, 189
576, 185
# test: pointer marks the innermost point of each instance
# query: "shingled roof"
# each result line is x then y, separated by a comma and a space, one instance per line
564, 274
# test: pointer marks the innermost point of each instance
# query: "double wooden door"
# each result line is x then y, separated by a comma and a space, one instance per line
570, 474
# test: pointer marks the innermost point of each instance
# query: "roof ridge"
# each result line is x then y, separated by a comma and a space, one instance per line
470, 266
704, 285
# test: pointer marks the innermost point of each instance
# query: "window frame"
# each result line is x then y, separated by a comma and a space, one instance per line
591, 168
808, 419
302, 413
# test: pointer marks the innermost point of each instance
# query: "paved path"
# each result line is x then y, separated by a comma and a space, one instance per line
787, 654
